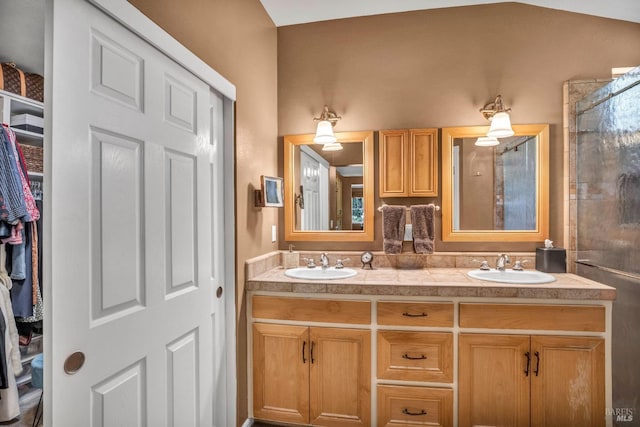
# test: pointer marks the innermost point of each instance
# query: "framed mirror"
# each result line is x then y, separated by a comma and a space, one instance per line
495, 193
328, 195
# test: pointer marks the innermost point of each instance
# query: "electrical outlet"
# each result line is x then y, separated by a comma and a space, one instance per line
274, 233
408, 232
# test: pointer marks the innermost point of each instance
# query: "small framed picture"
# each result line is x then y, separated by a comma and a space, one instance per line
272, 191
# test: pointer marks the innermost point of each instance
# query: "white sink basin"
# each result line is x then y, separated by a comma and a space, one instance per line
319, 274
527, 277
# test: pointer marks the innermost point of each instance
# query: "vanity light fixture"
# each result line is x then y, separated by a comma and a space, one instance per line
487, 141
499, 118
324, 131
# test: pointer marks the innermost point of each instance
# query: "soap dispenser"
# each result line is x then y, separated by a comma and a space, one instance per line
291, 259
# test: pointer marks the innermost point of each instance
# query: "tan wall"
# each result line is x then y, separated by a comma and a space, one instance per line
239, 40
438, 68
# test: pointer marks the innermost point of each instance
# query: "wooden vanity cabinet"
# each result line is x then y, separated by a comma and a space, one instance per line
569, 388
401, 406
311, 374
530, 380
419, 355
408, 163
280, 375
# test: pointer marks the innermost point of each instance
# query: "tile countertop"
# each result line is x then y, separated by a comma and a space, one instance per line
440, 282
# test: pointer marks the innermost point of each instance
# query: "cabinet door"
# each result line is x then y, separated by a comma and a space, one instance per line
340, 377
393, 163
493, 380
423, 163
567, 384
281, 372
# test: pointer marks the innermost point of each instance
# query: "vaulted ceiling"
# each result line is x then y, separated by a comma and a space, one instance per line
291, 12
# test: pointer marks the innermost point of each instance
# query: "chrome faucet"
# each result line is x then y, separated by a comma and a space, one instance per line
324, 260
503, 259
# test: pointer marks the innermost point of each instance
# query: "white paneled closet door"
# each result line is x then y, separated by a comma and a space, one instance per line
135, 229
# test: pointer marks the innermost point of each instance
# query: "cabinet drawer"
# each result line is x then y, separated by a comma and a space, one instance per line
589, 318
312, 310
414, 406
415, 313
415, 356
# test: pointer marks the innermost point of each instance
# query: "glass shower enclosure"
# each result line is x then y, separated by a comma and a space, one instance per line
608, 218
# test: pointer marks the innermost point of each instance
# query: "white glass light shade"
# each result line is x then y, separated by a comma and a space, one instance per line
487, 141
500, 126
332, 146
324, 133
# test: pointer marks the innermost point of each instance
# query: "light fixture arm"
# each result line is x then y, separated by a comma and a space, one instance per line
328, 116
492, 108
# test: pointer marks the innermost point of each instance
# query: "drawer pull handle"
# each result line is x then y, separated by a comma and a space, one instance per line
406, 356
415, 414
537, 363
414, 315
528, 356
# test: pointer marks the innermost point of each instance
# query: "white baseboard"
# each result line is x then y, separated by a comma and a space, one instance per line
248, 422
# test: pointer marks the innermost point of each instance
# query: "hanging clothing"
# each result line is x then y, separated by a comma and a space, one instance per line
9, 397
5, 296
15, 189
12, 203
32, 211
22, 290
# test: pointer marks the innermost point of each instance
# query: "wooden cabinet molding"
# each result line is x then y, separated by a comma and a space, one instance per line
525, 369
280, 376
589, 318
522, 380
312, 310
400, 406
340, 377
415, 356
408, 163
569, 388
493, 389
312, 375
426, 314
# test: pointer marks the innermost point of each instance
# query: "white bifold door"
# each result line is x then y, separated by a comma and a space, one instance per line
134, 257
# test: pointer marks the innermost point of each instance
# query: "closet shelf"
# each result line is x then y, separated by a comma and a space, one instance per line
36, 175
27, 137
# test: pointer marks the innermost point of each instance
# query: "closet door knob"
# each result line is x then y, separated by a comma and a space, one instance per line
219, 292
74, 362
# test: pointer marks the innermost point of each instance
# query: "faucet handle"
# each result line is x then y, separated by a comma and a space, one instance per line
484, 265
310, 262
518, 265
339, 262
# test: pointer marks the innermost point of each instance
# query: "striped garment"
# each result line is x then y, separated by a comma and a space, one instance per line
32, 209
14, 207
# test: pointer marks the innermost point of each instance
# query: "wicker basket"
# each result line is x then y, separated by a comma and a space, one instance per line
32, 157
13, 79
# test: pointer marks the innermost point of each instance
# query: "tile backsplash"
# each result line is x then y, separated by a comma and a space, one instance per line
263, 263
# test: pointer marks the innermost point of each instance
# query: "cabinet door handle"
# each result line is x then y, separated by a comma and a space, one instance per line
304, 344
537, 363
528, 356
414, 315
311, 356
408, 412
406, 356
